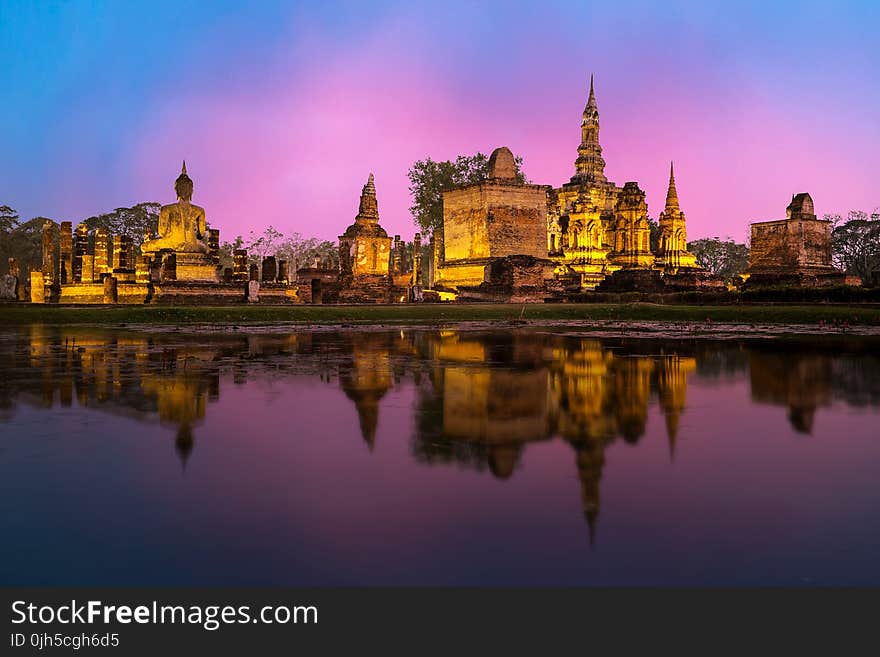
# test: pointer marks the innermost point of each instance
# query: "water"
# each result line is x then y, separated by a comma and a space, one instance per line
476, 457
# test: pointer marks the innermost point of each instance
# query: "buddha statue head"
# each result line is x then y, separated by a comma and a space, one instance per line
184, 185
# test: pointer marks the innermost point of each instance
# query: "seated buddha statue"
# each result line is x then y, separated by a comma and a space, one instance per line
182, 226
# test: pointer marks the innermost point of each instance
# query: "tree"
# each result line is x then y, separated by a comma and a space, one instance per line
429, 179
227, 250
855, 243
8, 219
8, 224
724, 258
25, 243
260, 246
302, 252
132, 222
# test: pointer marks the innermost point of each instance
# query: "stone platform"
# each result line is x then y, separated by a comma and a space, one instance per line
801, 277
633, 280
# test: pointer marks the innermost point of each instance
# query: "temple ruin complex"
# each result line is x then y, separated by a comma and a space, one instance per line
502, 239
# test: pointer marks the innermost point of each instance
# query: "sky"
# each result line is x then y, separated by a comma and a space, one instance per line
282, 109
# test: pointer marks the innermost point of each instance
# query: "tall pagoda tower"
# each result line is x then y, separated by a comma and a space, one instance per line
672, 250
581, 211
589, 165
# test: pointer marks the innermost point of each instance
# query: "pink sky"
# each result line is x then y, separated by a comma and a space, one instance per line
281, 118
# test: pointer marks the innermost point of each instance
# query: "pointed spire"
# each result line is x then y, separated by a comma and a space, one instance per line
591, 102
672, 421
183, 169
592, 517
368, 210
671, 193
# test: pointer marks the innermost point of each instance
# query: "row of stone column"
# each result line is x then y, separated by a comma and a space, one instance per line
75, 263
397, 258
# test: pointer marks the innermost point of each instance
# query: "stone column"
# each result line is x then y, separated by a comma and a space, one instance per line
65, 249
283, 272
270, 269
111, 294
417, 260
14, 271
48, 268
123, 250
38, 287
88, 268
254, 273
142, 269
214, 245
253, 291
431, 275
80, 248
102, 254
397, 265
437, 254
240, 265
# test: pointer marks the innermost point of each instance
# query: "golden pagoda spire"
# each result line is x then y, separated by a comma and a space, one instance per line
368, 210
591, 101
183, 168
671, 193
589, 164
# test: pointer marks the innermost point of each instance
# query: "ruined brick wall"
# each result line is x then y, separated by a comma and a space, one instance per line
789, 244
814, 236
495, 220
364, 254
770, 246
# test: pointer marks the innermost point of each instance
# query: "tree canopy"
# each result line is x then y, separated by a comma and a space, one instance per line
855, 243
132, 222
724, 258
429, 179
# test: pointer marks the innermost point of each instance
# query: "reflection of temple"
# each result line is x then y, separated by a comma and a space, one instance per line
126, 375
366, 379
672, 388
482, 397
497, 394
801, 382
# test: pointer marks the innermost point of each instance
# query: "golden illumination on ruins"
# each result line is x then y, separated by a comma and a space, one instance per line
502, 239
182, 235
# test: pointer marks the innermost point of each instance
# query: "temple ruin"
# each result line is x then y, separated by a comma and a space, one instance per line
177, 263
793, 251
493, 244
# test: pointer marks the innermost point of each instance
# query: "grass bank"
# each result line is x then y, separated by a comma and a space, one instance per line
17, 314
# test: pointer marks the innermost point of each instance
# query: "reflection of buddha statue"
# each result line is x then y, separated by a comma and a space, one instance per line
182, 226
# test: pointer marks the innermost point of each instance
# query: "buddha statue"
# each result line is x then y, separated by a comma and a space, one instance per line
182, 226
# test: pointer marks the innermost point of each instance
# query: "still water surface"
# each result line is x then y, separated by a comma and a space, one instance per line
477, 457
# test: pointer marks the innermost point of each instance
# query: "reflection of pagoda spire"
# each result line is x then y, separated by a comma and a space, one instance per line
365, 381
801, 417
672, 391
503, 459
184, 443
368, 417
672, 419
590, 461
